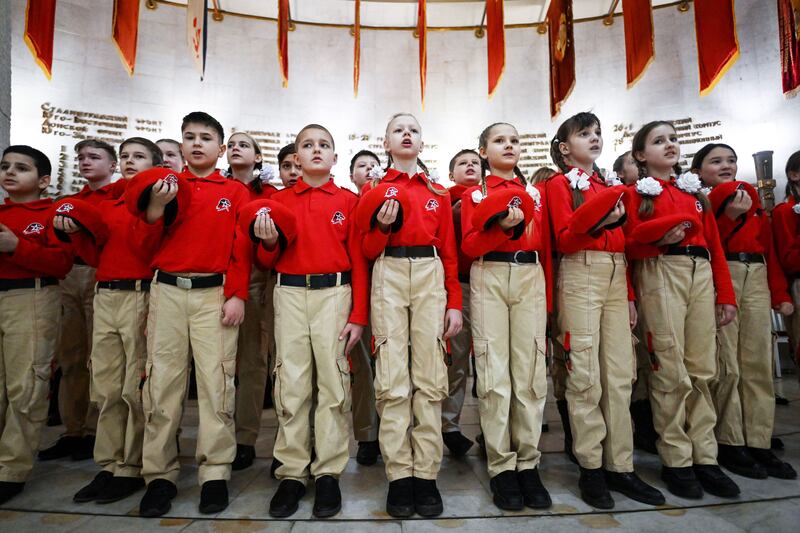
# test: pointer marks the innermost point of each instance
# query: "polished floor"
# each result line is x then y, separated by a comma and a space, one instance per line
771, 505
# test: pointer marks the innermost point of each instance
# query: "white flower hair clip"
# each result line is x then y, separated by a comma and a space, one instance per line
224, 173
376, 173
477, 196
705, 190
266, 174
796, 208
612, 179
535, 194
433, 175
578, 179
689, 182
649, 187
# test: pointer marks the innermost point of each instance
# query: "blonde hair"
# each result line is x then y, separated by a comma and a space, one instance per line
420, 164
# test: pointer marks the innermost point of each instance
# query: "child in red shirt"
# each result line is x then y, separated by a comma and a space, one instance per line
171, 150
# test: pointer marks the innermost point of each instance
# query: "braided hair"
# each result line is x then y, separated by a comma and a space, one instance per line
570, 127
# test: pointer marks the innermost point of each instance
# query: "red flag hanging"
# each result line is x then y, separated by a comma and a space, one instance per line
283, 40
789, 32
423, 49
562, 53
717, 45
40, 23
357, 49
125, 31
197, 33
495, 43
639, 44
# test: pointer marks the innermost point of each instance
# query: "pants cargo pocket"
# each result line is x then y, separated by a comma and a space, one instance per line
483, 373
277, 387
344, 377
147, 391
539, 373
382, 382
666, 372
229, 387
442, 380
35, 404
583, 373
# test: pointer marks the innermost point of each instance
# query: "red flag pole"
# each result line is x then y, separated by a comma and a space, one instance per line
283, 40
495, 43
40, 24
357, 49
423, 48
125, 31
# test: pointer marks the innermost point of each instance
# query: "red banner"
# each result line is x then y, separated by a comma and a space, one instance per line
357, 48
717, 44
496, 43
639, 44
283, 40
789, 32
562, 53
40, 23
125, 31
423, 48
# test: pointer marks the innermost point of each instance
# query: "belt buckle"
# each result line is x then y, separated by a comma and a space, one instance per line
183, 283
516, 256
308, 281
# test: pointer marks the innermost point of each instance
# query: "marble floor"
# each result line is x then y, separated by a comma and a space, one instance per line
771, 505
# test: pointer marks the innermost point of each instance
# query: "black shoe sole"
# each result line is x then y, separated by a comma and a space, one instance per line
236, 467
597, 504
369, 461
326, 513
212, 508
400, 511
720, 494
743, 471
544, 504
152, 513
103, 501
691, 494
429, 511
85, 499
506, 506
778, 474
639, 497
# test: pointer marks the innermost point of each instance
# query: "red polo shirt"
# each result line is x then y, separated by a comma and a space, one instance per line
38, 253
464, 261
428, 222
786, 230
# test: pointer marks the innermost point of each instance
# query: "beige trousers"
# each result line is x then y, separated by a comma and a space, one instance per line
177, 318
458, 369
743, 393
641, 390
307, 327
408, 301
365, 415
509, 319
794, 322
119, 354
676, 297
29, 322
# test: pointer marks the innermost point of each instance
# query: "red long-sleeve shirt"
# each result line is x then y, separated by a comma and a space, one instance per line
754, 237
786, 232
428, 221
38, 253
672, 200
327, 240
464, 261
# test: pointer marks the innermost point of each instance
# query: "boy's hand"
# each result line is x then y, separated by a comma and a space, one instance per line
163, 193
8, 240
633, 315
785, 308
265, 230
725, 313
514, 217
353, 333
388, 214
65, 224
233, 312
452, 323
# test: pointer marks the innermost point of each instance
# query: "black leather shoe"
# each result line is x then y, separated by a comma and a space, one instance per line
244, 457
594, 490
481, 444
93, 490
327, 498
714, 481
9, 489
400, 499
273, 467
739, 461
682, 482
644, 432
774, 466
157, 500
214, 496
427, 500
118, 488
368, 452
533, 491
63, 447
563, 412
506, 492
287, 498
629, 484
84, 449
457, 443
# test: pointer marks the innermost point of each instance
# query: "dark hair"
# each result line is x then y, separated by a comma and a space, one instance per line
155, 152
285, 152
420, 164
315, 127
100, 145
569, 127
483, 141
40, 161
542, 174
452, 165
360, 154
201, 117
619, 163
702, 153
255, 183
792, 187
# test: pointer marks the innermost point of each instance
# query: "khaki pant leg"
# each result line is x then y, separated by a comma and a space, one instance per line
329, 310
458, 370
294, 373
29, 323
268, 322
252, 364
794, 322
365, 416
528, 368
558, 368
641, 390
167, 380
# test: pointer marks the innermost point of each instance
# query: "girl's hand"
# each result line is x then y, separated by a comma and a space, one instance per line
452, 323
353, 333
725, 313
233, 312
673, 236
163, 193
388, 214
632, 314
8, 239
513, 218
265, 229
785, 308
740, 204
65, 224
617, 213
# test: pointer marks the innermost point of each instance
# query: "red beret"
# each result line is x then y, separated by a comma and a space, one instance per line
284, 219
494, 208
117, 189
371, 202
723, 193
590, 214
456, 192
87, 216
137, 193
652, 231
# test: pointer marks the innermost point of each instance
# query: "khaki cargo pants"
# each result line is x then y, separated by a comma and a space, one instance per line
458, 369
365, 415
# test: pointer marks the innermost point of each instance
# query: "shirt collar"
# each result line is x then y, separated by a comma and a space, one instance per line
215, 176
41, 203
496, 181
301, 186
393, 174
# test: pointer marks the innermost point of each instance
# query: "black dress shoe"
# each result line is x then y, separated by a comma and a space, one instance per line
214, 496
368, 451
774, 466
327, 498
427, 500
682, 482
84, 449
506, 492
63, 447
714, 481
533, 491
594, 490
775, 443
119, 488
457, 443
273, 467
93, 490
287, 498
644, 432
739, 461
563, 412
400, 499
481, 444
9, 489
629, 484
158, 497
244, 457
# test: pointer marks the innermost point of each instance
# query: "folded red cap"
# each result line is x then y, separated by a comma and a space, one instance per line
587, 218
456, 192
654, 230
118, 188
284, 219
87, 216
137, 193
721, 195
371, 202
494, 208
